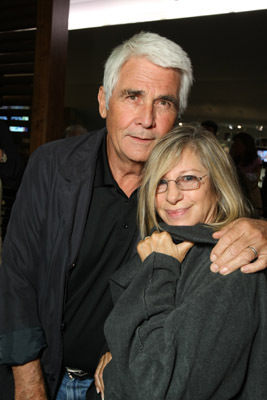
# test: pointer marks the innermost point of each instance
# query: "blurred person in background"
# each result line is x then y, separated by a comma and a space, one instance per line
11, 167
74, 130
248, 165
210, 126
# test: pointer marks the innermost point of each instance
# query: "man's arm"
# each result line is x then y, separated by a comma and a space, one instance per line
22, 335
233, 252
29, 381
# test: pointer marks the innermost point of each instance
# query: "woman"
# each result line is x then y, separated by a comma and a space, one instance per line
179, 331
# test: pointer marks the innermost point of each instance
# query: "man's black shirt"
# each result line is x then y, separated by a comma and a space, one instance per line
109, 238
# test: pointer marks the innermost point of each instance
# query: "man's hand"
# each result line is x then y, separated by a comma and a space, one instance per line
29, 382
233, 251
99, 382
161, 242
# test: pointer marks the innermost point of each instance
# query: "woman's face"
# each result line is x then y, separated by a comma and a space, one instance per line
179, 207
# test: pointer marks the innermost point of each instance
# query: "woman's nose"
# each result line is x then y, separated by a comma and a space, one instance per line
173, 193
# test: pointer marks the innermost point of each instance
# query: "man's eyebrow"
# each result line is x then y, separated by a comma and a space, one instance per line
131, 92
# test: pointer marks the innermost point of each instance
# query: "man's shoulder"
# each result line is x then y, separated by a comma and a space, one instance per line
69, 150
72, 144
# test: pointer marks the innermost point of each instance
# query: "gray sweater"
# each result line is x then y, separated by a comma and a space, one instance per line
181, 332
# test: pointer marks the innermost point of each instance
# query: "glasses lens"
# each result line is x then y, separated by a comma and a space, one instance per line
188, 182
162, 186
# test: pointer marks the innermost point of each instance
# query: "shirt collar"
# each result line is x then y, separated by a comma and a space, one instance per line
103, 176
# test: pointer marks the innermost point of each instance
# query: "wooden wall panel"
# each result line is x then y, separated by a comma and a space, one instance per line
49, 72
33, 49
18, 24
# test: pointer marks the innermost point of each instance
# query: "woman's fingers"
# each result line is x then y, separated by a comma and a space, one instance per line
99, 382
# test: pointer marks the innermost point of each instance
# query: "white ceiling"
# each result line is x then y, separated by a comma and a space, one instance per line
94, 13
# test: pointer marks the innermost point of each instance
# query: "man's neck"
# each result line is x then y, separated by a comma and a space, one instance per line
128, 174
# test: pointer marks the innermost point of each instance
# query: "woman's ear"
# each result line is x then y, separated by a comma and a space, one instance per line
102, 102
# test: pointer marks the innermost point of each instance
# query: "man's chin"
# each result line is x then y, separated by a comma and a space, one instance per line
138, 160
138, 156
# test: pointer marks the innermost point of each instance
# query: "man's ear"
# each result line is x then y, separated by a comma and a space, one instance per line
102, 102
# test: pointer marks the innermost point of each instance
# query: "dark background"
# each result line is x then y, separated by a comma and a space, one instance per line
229, 58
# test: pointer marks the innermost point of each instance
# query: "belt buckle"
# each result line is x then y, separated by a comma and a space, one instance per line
76, 373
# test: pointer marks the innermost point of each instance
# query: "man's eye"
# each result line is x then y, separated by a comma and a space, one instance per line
165, 103
132, 97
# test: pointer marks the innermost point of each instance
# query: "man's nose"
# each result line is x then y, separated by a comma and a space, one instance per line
173, 193
146, 116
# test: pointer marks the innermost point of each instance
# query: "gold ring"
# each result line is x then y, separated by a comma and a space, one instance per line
254, 251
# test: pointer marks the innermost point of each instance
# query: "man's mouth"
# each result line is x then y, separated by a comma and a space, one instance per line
142, 139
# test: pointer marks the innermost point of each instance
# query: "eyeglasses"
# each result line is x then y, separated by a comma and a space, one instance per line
185, 182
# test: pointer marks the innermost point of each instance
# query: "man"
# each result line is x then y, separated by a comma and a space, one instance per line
73, 224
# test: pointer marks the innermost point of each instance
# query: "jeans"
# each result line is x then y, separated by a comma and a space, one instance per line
73, 388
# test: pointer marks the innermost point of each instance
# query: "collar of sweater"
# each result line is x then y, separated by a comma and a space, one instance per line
199, 233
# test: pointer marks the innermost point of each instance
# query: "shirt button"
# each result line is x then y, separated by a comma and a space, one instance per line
125, 226
126, 202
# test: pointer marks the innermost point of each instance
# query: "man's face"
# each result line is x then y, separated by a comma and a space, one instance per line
143, 107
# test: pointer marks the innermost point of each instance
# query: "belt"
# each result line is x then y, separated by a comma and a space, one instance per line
77, 373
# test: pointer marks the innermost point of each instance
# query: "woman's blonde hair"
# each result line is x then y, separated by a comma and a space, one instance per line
222, 174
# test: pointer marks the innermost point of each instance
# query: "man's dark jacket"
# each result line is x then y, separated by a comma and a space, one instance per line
42, 243
180, 332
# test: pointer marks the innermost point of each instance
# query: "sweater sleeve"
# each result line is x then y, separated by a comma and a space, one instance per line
165, 348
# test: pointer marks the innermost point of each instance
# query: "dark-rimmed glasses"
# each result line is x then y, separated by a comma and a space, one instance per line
184, 182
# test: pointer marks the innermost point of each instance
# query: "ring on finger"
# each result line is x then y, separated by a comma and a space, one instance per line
254, 251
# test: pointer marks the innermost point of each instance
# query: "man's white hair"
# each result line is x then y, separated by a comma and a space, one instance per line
157, 49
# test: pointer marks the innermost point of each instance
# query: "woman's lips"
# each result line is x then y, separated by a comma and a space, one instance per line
177, 213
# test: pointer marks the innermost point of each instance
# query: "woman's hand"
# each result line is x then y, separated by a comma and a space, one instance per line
161, 242
99, 382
